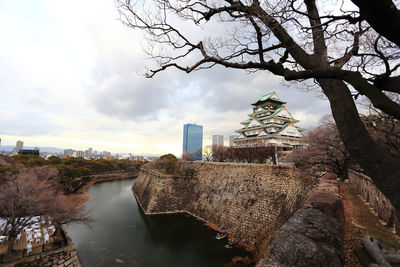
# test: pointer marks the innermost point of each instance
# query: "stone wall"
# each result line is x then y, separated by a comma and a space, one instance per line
371, 194
65, 256
114, 175
313, 235
251, 200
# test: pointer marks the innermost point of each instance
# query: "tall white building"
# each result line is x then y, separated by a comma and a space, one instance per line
217, 140
19, 145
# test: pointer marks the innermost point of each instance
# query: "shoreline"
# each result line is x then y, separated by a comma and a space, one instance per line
248, 247
80, 197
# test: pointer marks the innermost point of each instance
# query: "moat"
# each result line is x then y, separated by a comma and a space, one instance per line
122, 235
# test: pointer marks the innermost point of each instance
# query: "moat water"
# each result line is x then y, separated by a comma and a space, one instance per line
122, 236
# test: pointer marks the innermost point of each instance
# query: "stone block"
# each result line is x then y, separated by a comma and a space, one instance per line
67, 262
308, 238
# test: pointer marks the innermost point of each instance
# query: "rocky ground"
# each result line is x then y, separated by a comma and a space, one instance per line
360, 221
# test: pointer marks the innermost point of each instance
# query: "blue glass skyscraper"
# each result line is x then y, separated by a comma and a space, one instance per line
193, 140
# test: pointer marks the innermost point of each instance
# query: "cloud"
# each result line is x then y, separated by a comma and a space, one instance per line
70, 79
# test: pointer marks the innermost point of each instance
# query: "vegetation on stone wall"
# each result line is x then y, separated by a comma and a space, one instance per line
169, 164
246, 154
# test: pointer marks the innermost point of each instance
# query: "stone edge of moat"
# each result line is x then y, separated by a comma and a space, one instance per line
248, 247
82, 190
324, 200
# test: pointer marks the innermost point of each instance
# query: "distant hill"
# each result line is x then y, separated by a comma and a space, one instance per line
58, 150
41, 149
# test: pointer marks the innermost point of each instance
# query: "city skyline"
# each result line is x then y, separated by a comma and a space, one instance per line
76, 84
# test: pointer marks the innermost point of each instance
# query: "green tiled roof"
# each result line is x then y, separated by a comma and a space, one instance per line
246, 121
266, 97
270, 115
283, 128
262, 126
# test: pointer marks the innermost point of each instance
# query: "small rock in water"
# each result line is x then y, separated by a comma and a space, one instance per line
119, 261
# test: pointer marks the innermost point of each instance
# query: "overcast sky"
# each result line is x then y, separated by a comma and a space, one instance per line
69, 79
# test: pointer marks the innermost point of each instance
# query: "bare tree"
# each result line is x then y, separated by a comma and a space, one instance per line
325, 152
187, 157
208, 153
23, 197
219, 153
384, 129
330, 44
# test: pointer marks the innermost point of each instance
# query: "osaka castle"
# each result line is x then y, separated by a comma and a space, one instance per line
270, 124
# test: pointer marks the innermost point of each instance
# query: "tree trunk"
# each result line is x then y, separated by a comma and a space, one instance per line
376, 162
374, 251
11, 241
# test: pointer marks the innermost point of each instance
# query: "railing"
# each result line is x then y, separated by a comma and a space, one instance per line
20, 254
36, 250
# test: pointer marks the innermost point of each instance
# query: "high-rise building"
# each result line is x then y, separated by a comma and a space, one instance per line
270, 124
232, 139
218, 140
18, 146
80, 154
193, 140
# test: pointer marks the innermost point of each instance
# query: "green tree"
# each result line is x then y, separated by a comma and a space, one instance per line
54, 160
168, 162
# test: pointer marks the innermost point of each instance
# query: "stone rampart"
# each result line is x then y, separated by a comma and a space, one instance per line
250, 200
371, 194
313, 235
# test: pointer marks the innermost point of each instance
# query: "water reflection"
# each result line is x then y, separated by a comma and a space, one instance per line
123, 235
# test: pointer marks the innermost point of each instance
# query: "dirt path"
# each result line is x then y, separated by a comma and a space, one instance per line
359, 222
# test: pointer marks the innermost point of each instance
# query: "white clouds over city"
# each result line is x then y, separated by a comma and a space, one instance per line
69, 78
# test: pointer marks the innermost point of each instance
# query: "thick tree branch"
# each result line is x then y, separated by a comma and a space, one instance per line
320, 48
383, 16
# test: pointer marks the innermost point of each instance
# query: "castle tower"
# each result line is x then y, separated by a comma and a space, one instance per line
270, 124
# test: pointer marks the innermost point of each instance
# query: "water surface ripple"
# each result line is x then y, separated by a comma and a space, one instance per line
122, 236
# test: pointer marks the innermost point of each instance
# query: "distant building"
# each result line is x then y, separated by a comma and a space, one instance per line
193, 140
19, 145
218, 140
69, 152
270, 124
232, 139
29, 152
80, 154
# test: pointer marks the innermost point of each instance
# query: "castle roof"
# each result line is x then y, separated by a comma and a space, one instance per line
271, 96
270, 119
